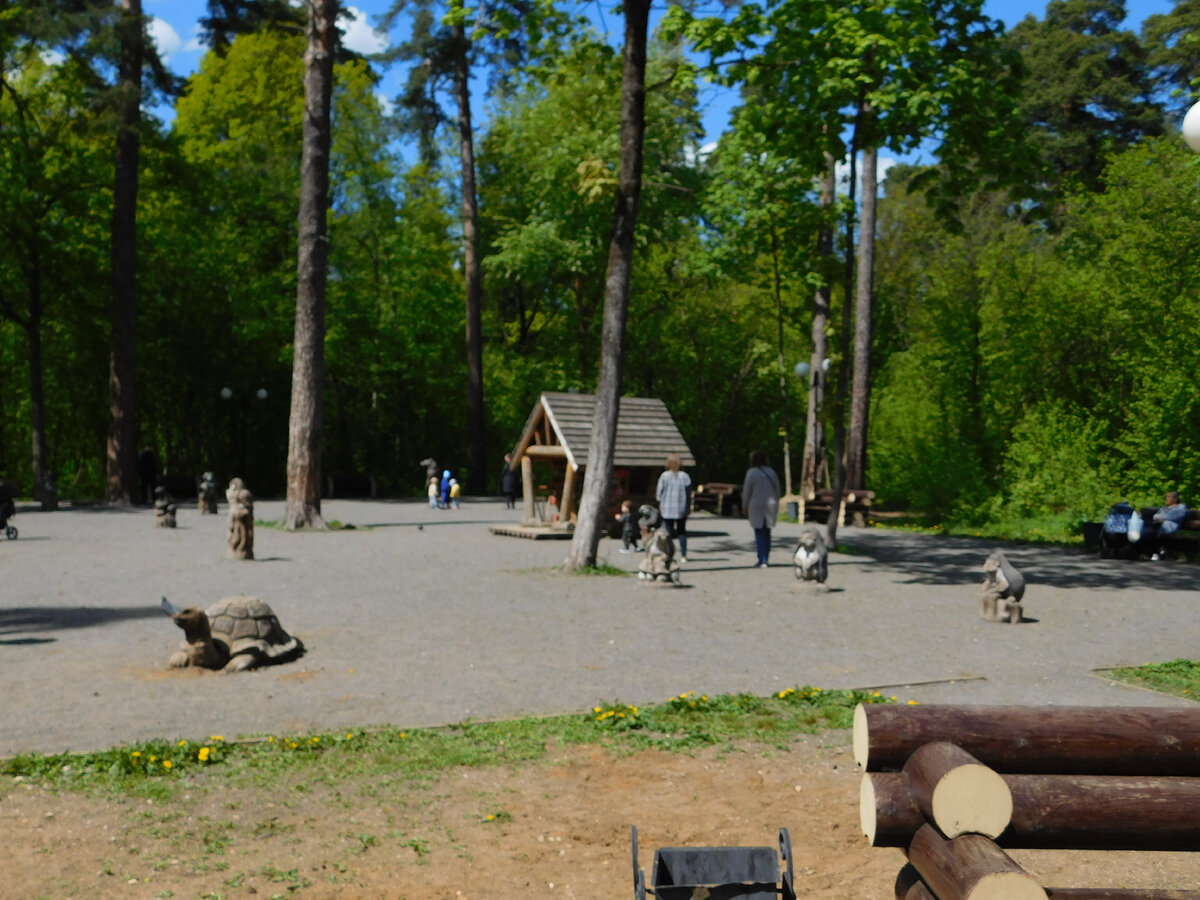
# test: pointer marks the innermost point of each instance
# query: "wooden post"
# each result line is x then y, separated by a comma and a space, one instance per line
568, 495
1076, 812
527, 490
970, 867
1074, 740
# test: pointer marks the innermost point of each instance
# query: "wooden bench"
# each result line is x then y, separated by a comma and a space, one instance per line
953, 786
856, 506
1185, 541
718, 497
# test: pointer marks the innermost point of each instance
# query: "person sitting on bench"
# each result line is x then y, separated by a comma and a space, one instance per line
1166, 521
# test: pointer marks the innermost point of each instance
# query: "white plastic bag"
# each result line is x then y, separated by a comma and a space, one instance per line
1135, 527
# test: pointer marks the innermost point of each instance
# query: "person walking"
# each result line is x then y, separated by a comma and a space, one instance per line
510, 483
674, 496
760, 499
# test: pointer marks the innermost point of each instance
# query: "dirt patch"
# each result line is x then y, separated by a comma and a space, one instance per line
556, 828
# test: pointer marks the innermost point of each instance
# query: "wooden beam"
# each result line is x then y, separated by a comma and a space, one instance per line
1065, 812
970, 867
546, 451
1073, 740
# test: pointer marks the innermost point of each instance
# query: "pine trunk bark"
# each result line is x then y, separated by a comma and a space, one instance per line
305, 424
843, 380
813, 461
860, 394
589, 527
476, 481
121, 456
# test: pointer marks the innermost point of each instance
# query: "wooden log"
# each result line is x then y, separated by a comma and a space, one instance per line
1036, 740
970, 867
909, 885
958, 793
1072, 812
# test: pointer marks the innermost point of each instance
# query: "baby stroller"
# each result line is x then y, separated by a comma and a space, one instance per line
8, 509
1114, 537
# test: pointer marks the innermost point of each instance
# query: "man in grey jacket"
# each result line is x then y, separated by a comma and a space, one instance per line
760, 499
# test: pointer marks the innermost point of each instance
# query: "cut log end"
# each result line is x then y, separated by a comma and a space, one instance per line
866, 808
972, 799
862, 740
1006, 886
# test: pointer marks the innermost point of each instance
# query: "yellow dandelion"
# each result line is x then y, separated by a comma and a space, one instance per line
596, 709
217, 737
403, 735
271, 739
167, 764
182, 743
349, 735
316, 740
137, 752
154, 759
203, 754
913, 703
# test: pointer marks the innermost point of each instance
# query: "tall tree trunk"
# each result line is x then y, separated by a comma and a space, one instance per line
843, 381
308, 368
814, 430
37, 403
616, 292
476, 482
860, 395
777, 287
121, 466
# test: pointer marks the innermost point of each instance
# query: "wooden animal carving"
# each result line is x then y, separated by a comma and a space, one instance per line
811, 559
1003, 588
660, 562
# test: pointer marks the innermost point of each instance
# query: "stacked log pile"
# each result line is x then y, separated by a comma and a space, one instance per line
954, 786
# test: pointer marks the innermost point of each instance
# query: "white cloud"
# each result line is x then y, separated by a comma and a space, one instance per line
360, 36
165, 38
385, 103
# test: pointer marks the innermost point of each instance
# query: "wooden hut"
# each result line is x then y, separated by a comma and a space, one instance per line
557, 438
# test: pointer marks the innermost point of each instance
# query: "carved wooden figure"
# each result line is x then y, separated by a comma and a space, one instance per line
1003, 588
206, 496
660, 562
164, 508
241, 520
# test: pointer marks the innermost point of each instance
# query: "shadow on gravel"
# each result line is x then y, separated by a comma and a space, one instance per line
945, 561
53, 618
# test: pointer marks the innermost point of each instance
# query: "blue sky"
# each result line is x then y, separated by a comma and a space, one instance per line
175, 30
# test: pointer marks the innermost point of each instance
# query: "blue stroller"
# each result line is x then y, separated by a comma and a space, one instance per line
8, 509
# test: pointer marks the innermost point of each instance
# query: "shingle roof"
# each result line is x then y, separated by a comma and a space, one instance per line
646, 433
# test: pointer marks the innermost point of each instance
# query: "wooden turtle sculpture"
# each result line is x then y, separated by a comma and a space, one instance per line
231, 635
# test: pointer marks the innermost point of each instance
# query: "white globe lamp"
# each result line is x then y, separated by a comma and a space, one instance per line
1191, 128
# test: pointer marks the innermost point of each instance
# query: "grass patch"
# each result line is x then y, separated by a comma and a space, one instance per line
162, 770
602, 568
1180, 677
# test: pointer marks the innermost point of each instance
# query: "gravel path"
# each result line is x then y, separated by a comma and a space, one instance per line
421, 616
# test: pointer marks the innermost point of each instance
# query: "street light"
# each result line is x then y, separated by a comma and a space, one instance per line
1191, 128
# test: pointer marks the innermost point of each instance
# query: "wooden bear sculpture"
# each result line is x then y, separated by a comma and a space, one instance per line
1003, 588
